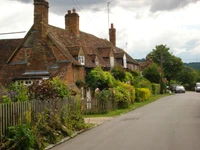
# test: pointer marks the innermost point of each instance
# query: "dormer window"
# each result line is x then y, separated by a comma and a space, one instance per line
81, 60
112, 62
124, 61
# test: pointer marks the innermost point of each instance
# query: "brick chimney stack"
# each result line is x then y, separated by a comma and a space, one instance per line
72, 21
39, 33
41, 18
112, 35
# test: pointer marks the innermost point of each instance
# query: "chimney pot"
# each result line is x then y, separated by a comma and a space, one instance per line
112, 26
74, 10
69, 11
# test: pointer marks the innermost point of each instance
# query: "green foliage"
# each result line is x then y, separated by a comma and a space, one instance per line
124, 94
194, 65
103, 97
80, 83
135, 73
15, 92
188, 77
170, 65
151, 73
48, 89
20, 137
118, 73
72, 118
97, 78
61, 89
129, 78
155, 88
141, 82
142, 94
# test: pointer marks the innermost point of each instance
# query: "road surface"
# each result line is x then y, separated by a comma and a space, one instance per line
171, 123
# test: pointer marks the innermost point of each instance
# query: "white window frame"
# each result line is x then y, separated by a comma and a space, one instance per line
124, 61
112, 62
81, 60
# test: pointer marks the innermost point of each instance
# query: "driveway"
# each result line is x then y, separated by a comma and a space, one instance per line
171, 123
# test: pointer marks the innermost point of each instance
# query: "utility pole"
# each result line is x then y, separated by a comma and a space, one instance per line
126, 47
161, 69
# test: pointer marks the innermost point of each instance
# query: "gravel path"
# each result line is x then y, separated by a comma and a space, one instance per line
97, 120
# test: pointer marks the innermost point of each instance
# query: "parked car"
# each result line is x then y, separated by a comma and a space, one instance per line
173, 87
197, 87
180, 89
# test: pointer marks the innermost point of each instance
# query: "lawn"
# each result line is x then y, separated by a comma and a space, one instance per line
131, 107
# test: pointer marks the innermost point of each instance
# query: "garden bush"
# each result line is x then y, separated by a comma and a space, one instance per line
155, 88
124, 94
142, 94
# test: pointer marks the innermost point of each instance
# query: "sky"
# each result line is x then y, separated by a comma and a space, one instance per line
140, 24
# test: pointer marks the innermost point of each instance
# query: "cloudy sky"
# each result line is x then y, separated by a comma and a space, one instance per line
140, 24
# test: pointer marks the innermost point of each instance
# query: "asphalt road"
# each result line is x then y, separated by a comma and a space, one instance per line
171, 123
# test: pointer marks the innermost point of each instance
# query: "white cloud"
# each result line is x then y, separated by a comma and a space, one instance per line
136, 25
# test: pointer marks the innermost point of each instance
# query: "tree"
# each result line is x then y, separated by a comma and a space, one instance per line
188, 77
170, 65
97, 78
151, 73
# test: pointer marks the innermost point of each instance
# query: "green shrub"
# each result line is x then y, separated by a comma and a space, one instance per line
128, 78
15, 93
135, 73
20, 137
124, 94
103, 97
61, 89
48, 89
155, 88
97, 78
142, 94
118, 73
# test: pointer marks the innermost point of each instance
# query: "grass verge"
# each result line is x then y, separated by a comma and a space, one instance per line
131, 107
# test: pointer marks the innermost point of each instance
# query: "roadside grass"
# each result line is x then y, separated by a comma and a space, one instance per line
136, 105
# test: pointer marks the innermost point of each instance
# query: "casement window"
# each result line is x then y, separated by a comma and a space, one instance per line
97, 63
124, 61
112, 62
81, 60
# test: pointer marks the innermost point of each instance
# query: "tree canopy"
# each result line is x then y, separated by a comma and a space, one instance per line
169, 64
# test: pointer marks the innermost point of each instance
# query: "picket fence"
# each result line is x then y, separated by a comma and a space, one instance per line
15, 113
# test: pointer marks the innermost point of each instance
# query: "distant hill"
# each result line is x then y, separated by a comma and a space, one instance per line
141, 60
194, 65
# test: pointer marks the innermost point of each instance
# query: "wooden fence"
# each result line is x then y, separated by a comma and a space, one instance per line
15, 113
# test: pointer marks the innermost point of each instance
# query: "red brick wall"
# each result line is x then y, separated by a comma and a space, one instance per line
74, 73
22, 55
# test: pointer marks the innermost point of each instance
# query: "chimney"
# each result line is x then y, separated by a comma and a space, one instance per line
40, 19
36, 60
112, 34
72, 21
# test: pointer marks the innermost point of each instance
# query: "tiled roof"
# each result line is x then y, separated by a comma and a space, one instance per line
6, 48
120, 52
89, 44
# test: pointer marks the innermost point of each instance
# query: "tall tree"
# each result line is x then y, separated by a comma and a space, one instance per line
188, 76
170, 65
151, 73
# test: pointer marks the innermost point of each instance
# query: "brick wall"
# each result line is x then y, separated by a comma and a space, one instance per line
72, 21
112, 35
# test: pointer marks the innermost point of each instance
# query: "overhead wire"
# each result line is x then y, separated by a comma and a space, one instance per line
87, 17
